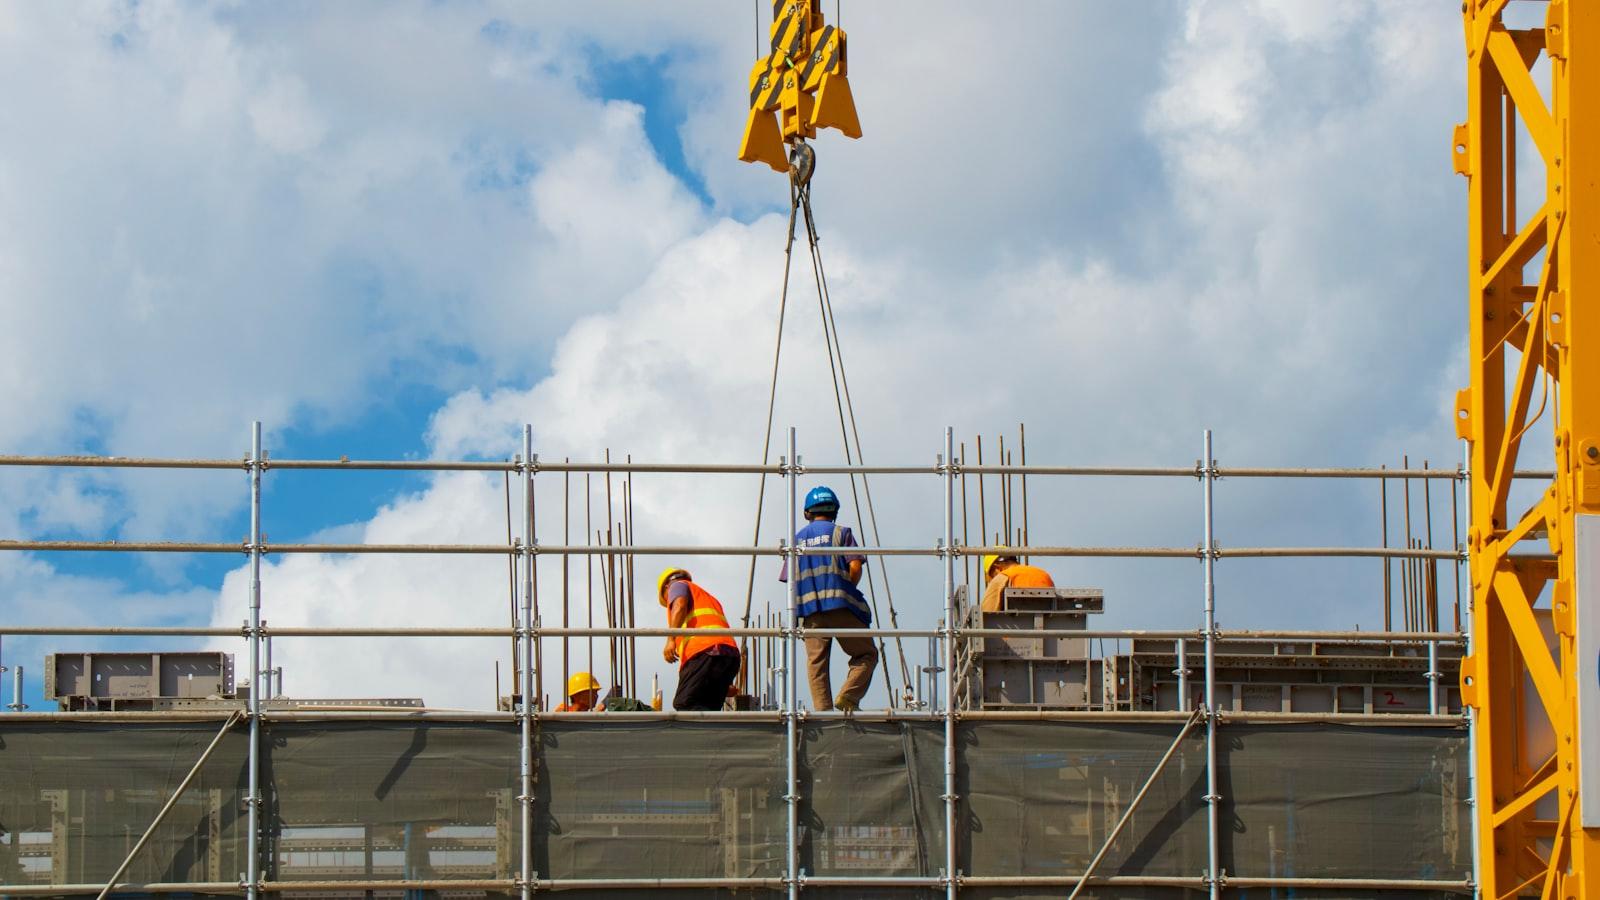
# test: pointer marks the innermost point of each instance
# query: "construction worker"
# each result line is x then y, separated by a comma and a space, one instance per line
583, 694
827, 597
1003, 570
708, 665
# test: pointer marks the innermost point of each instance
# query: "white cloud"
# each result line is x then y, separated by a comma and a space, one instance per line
1117, 230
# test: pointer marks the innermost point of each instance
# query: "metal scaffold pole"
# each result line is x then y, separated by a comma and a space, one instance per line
1466, 708
1208, 473
253, 801
947, 466
526, 649
791, 680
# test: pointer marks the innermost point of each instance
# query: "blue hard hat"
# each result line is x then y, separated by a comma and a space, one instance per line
821, 498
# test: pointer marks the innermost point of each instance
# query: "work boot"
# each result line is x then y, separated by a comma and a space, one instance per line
845, 704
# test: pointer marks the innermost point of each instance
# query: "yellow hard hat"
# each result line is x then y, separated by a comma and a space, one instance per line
992, 558
580, 682
666, 575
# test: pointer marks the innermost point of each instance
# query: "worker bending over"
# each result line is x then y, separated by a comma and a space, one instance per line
583, 694
706, 665
1002, 571
827, 597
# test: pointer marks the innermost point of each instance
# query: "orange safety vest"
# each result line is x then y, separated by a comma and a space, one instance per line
704, 612
1021, 576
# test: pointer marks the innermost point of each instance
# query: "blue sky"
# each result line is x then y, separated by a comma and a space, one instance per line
1120, 224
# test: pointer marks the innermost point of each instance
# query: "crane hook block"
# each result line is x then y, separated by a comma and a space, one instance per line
801, 85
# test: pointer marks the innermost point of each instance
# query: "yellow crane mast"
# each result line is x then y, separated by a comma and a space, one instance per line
1532, 679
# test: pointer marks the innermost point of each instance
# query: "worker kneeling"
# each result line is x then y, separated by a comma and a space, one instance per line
827, 597
1002, 571
583, 694
707, 665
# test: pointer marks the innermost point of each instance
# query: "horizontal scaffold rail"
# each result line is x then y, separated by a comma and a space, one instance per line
1389, 637
538, 465
722, 550
705, 884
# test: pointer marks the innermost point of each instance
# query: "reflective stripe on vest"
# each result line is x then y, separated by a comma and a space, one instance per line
704, 612
822, 583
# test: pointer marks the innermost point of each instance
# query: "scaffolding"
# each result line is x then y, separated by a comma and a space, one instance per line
1403, 779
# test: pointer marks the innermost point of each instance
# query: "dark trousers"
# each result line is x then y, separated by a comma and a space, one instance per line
703, 681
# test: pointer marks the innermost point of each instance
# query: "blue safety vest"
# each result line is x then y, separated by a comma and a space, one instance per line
823, 585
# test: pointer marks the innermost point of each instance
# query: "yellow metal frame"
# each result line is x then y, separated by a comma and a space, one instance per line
799, 86
1529, 361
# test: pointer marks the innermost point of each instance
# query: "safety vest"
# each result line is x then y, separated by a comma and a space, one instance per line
822, 585
704, 612
1021, 576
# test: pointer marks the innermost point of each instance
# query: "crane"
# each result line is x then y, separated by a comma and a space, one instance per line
799, 86
1532, 675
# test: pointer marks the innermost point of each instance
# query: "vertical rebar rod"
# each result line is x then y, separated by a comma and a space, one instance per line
525, 873
966, 565
618, 665
1408, 565
947, 462
1209, 558
1022, 447
983, 517
1432, 565
633, 609
253, 839
1388, 564
792, 681
531, 538
566, 540
511, 592
1005, 491
266, 668
588, 563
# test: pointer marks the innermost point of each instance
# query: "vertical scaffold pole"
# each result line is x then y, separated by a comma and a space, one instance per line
947, 463
526, 871
253, 850
792, 678
1208, 556
1466, 708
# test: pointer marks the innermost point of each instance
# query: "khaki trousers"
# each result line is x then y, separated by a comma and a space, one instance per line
863, 653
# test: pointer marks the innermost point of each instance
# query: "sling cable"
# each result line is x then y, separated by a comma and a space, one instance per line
799, 86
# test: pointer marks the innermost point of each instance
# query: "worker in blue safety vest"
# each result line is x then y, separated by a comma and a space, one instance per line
827, 597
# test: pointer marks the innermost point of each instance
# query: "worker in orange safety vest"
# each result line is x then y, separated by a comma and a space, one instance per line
707, 665
1002, 570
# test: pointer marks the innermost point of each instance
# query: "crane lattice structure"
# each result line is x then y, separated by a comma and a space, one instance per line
1536, 616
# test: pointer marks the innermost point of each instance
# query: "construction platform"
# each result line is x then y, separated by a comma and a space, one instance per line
1183, 763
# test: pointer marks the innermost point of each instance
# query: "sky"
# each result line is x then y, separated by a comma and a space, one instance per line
403, 231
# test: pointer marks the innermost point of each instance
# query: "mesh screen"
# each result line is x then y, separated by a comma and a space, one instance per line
1043, 796
660, 800
871, 798
426, 800
614, 799
75, 798
1337, 801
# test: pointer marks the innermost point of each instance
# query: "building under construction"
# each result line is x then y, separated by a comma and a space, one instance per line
1024, 761
1440, 756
